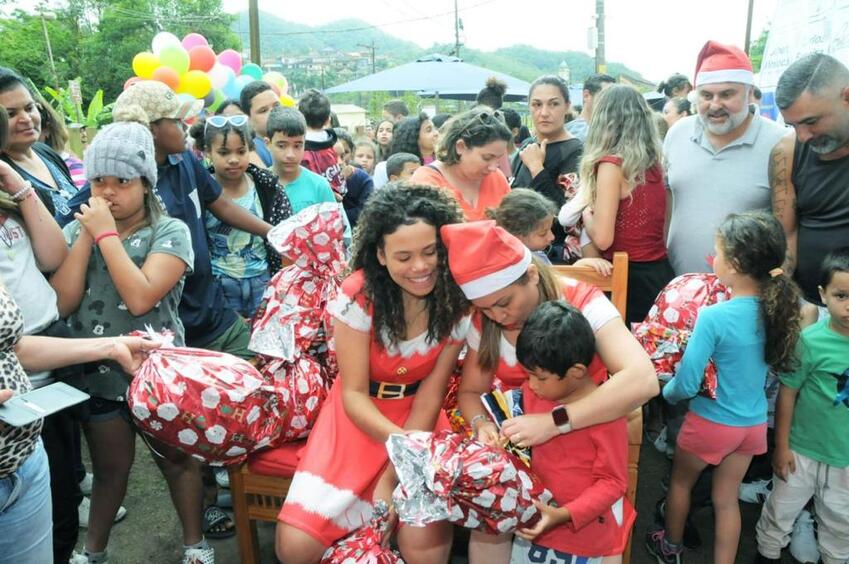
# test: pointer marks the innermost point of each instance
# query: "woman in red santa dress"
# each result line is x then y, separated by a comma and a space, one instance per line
505, 284
399, 324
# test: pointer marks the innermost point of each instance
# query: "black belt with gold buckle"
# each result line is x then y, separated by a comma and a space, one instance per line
390, 390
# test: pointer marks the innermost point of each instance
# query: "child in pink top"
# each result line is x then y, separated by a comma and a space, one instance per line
585, 469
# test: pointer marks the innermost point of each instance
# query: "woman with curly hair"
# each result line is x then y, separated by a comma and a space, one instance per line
414, 135
470, 148
399, 323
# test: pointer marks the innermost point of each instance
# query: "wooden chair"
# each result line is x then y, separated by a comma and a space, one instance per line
256, 497
616, 286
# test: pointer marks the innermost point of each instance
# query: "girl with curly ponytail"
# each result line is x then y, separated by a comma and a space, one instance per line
757, 329
400, 321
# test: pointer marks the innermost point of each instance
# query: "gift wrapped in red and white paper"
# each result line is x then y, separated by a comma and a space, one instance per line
292, 318
445, 475
671, 320
212, 405
301, 387
292, 329
363, 545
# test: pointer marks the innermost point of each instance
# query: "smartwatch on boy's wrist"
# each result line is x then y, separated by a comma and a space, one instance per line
561, 419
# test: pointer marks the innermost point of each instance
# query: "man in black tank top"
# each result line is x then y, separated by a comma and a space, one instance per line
809, 174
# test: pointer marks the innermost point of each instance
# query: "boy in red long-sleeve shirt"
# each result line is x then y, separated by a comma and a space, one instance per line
585, 469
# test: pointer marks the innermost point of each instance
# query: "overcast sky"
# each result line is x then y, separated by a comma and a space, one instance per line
654, 37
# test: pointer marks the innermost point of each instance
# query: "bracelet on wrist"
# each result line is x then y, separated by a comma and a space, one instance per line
104, 235
23, 193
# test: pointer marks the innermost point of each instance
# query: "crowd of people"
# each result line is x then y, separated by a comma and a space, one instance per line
452, 227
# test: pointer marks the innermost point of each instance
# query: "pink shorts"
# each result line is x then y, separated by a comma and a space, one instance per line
712, 441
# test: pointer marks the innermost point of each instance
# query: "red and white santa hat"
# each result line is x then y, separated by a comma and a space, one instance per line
718, 62
483, 257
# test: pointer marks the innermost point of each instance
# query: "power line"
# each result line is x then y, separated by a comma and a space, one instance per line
377, 26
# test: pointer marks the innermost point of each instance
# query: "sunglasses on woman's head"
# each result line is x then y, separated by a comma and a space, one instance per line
221, 121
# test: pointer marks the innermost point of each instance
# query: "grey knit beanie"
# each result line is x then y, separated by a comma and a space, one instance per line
124, 150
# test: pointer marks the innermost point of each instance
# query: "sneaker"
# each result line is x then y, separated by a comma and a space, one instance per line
692, 539
82, 558
85, 508
803, 541
760, 559
85, 483
199, 556
657, 547
755, 492
222, 477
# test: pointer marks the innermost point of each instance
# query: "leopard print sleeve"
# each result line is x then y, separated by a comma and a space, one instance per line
16, 443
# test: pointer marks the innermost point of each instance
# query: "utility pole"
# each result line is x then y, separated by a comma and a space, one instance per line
749, 27
600, 64
371, 49
44, 17
456, 31
253, 25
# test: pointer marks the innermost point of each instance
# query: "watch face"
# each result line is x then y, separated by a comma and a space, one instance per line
560, 415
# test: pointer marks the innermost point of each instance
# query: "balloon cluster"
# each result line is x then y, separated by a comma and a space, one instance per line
193, 70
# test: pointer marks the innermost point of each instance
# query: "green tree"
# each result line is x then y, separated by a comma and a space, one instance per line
756, 50
96, 40
24, 47
126, 27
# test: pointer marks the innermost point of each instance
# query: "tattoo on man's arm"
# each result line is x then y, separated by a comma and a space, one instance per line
782, 198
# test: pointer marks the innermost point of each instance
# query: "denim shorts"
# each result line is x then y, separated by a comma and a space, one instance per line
525, 552
243, 294
26, 512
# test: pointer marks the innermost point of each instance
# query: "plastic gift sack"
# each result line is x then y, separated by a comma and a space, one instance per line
301, 387
292, 329
292, 317
363, 545
449, 476
212, 405
671, 320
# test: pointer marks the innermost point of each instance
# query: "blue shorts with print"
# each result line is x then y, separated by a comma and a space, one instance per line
244, 294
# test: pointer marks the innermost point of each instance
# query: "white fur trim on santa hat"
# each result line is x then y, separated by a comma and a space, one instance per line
742, 76
490, 283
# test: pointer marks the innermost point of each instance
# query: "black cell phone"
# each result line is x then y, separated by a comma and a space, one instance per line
26, 408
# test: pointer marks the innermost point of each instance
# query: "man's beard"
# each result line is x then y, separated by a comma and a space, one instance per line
825, 144
729, 125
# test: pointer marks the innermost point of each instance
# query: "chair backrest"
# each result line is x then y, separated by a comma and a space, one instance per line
616, 284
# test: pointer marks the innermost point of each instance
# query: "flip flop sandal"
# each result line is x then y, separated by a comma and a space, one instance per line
214, 518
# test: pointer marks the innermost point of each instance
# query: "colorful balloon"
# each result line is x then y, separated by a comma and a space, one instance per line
196, 83
231, 88
193, 40
219, 76
145, 63
275, 78
201, 58
168, 76
175, 57
217, 99
164, 39
232, 59
252, 70
287, 101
